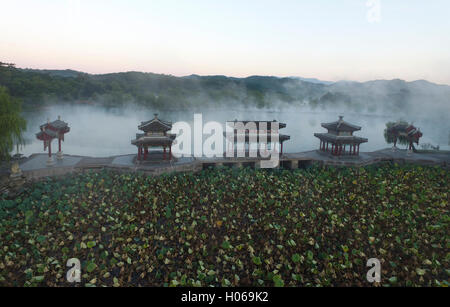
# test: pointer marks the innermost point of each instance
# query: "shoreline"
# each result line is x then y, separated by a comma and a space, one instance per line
34, 167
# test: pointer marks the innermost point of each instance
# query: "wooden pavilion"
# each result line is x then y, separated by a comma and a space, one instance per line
249, 135
53, 130
155, 135
339, 136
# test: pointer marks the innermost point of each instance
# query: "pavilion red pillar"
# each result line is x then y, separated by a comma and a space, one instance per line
145, 152
327, 146
332, 149
59, 144
50, 148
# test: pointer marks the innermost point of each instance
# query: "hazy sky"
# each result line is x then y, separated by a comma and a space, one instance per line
325, 39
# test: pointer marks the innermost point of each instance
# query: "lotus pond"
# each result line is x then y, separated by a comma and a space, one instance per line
314, 227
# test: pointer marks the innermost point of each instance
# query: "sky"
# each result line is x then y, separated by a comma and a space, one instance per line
331, 40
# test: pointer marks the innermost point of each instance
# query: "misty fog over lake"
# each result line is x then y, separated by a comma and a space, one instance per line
101, 132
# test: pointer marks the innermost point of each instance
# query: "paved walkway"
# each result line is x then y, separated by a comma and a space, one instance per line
127, 160
367, 157
35, 166
38, 161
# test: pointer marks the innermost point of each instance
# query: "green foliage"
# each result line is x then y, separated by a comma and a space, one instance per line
257, 260
390, 138
37, 88
11, 123
315, 227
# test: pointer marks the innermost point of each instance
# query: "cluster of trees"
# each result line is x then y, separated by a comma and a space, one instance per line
37, 88
334, 99
401, 139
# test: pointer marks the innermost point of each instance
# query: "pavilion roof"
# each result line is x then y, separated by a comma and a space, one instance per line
341, 125
46, 134
57, 124
247, 137
258, 122
155, 124
154, 140
348, 139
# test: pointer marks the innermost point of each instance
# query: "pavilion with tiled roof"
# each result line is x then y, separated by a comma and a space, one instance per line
155, 135
53, 130
248, 136
339, 136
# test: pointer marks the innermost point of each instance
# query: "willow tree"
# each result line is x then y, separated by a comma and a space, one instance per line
401, 139
12, 124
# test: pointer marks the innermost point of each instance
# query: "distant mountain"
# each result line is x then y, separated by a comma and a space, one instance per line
313, 80
37, 87
68, 73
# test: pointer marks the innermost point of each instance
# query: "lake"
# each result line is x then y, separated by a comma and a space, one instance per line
100, 132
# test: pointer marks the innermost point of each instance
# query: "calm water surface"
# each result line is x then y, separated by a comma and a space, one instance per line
99, 132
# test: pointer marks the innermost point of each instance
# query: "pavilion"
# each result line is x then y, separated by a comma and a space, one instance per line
155, 135
339, 136
249, 135
53, 130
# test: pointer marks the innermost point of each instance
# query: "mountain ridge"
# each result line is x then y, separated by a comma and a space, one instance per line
38, 87
74, 73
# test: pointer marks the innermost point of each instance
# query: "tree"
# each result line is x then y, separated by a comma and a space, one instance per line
390, 137
12, 124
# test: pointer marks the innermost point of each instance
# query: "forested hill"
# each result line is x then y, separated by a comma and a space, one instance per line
162, 91
42, 87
